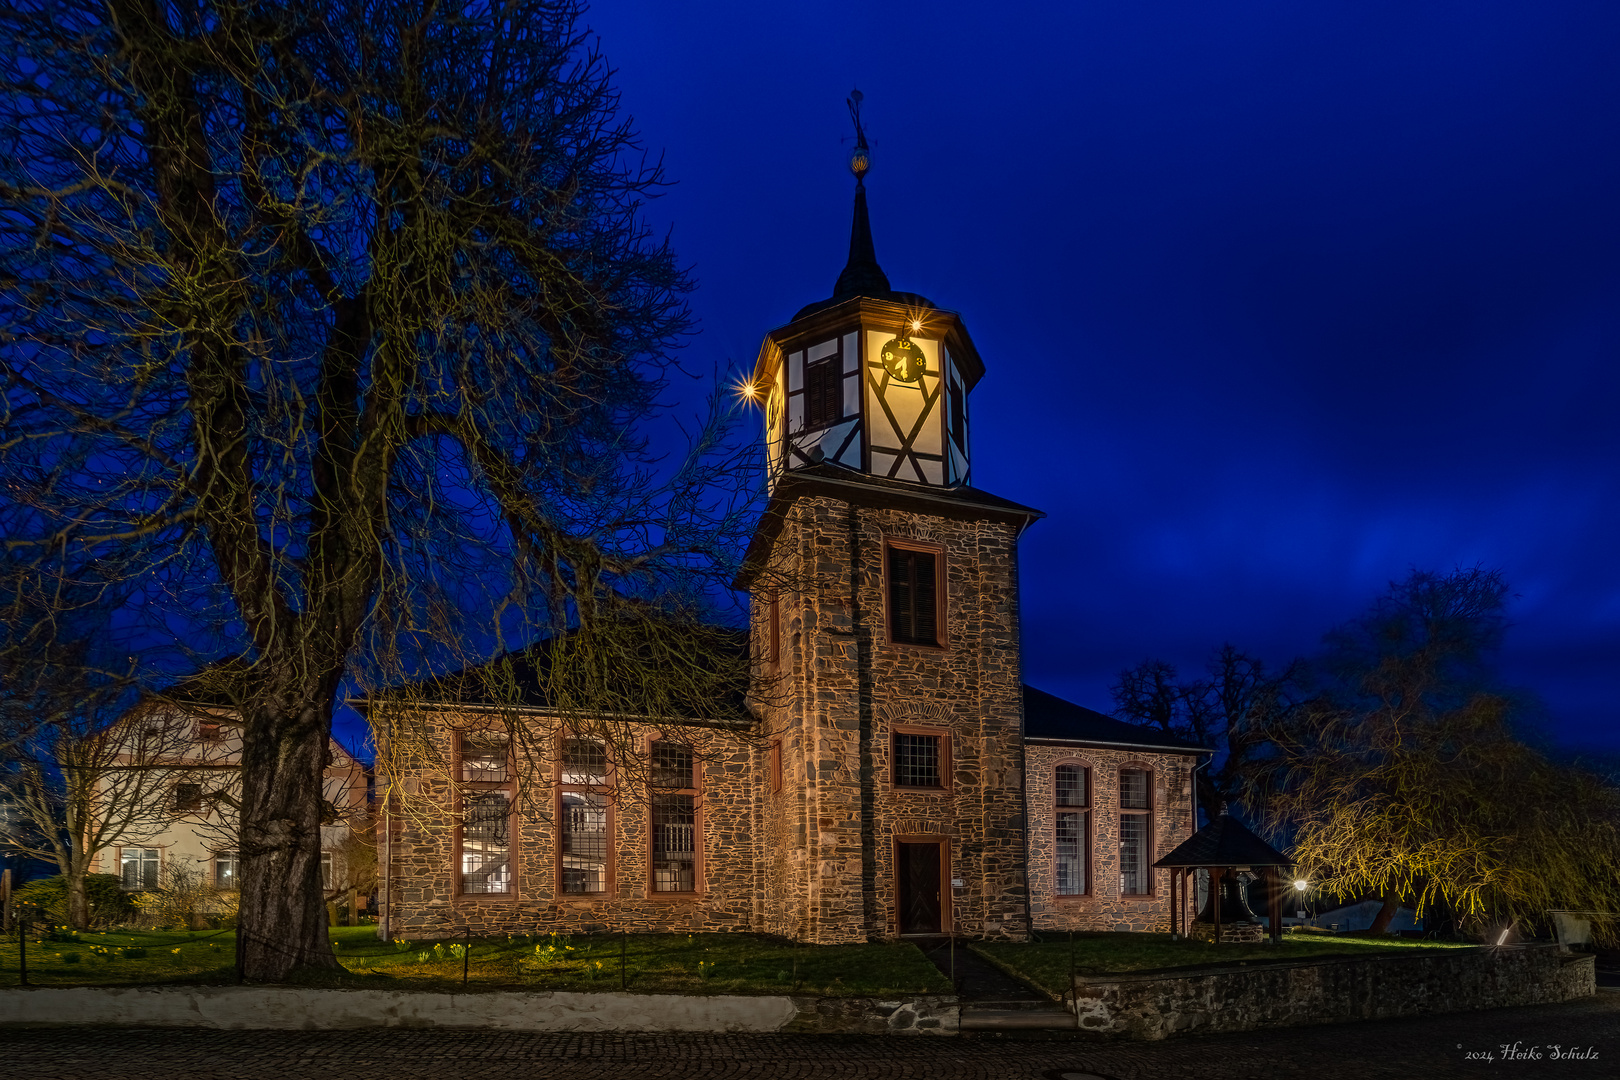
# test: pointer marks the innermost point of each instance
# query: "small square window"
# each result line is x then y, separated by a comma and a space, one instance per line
483, 762
208, 731
918, 760
187, 798
672, 765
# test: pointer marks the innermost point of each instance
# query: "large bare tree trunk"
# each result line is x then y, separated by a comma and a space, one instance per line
281, 923
78, 899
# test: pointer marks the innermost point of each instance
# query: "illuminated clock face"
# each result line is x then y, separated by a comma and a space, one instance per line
903, 359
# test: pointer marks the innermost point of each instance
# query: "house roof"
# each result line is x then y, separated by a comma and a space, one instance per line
1050, 719
839, 482
1226, 841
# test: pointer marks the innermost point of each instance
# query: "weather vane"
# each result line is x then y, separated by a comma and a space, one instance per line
861, 160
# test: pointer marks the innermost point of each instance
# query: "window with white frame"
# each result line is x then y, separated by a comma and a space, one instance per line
140, 868
225, 870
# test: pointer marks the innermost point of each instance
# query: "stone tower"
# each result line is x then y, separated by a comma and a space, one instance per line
885, 625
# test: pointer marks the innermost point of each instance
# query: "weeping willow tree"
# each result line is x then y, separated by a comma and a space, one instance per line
326, 331
1403, 775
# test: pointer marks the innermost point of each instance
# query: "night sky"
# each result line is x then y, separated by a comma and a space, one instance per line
1277, 301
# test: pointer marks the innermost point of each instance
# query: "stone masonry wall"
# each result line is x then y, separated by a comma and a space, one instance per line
837, 695
1150, 1006
1102, 907
423, 888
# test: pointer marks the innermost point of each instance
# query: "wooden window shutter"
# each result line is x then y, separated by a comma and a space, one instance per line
912, 602
823, 393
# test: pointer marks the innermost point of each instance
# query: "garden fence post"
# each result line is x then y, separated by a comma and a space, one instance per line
5, 899
22, 948
466, 957
624, 948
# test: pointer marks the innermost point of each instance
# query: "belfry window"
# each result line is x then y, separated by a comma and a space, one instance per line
824, 392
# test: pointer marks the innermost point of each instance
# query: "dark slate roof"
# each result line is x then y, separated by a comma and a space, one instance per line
522, 678
838, 481
1048, 718
1225, 842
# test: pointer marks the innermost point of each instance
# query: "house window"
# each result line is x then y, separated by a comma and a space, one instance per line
824, 392
207, 731
673, 808
326, 870
921, 759
1135, 832
1071, 800
484, 840
582, 815
913, 594
140, 866
225, 870
187, 798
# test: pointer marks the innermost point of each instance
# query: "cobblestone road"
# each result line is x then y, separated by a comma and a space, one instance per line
1410, 1049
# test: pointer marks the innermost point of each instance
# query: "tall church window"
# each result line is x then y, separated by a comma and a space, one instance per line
1071, 799
914, 589
484, 835
675, 826
824, 392
583, 850
1135, 832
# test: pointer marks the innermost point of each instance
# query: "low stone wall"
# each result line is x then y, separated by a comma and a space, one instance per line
296, 1008
1260, 995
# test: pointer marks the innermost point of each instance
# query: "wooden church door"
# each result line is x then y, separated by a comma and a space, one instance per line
918, 872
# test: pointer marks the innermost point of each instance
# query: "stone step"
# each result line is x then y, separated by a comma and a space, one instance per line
974, 1019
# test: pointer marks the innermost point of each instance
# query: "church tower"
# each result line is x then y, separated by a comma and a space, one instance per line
884, 592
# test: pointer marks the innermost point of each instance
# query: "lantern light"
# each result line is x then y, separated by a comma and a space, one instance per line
1301, 884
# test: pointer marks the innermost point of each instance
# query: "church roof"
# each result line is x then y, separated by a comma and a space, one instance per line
826, 478
712, 688
1226, 841
1050, 719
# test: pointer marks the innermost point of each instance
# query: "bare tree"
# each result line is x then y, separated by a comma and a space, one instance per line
1225, 711
325, 331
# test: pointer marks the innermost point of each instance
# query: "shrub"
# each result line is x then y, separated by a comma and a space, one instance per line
104, 893
184, 897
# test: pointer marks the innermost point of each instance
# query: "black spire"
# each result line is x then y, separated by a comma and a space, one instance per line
862, 275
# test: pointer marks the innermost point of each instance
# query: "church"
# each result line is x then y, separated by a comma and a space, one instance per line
900, 778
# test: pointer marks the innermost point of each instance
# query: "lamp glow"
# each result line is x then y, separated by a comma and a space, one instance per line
1301, 884
916, 324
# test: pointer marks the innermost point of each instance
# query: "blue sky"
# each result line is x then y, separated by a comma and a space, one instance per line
1276, 301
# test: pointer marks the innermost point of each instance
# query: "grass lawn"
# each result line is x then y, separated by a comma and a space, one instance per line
1046, 962
654, 963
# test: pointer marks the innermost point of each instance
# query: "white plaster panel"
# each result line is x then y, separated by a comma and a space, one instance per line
795, 366
852, 351
817, 352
